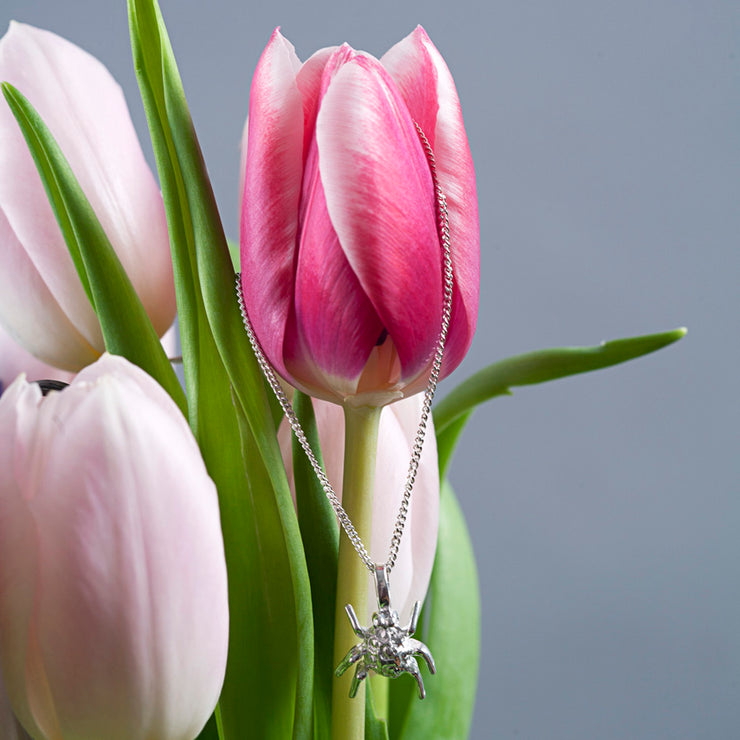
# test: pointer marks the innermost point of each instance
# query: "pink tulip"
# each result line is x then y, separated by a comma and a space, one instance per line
113, 593
42, 301
398, 423
341, 257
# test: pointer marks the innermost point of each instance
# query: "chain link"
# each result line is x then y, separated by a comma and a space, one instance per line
269, 373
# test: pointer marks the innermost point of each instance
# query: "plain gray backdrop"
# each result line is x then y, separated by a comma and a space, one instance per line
603, 508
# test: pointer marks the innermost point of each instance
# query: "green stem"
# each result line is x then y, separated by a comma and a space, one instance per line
360, 444
381, 697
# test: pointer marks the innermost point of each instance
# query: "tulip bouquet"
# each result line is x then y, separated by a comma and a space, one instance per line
170, 564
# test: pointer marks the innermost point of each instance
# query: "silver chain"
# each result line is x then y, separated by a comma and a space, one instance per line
269, 373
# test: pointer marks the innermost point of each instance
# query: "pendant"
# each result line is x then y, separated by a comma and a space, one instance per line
386, 648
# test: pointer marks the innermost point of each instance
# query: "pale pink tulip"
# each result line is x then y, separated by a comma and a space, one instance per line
398, 424
42, 301
340, 251
113, 593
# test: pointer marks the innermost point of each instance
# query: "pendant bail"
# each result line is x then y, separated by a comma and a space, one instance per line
382, 587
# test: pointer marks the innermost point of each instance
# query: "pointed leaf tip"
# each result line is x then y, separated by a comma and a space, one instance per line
543, 365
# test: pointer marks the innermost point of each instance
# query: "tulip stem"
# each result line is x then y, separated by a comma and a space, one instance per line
353, 577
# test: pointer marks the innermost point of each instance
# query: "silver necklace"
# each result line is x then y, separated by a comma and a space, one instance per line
385, 648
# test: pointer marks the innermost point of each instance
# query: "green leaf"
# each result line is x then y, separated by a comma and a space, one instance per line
375, 727
320, 534
262, 606
452, 633
145, 44
125, 325
203, 262
543, 365
447, 440
234, 253
268, 688
210, 731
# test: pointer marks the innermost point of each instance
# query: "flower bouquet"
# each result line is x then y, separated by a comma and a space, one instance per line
258, 553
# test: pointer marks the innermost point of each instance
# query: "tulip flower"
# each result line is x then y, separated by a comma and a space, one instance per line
398, 425
42, 302
113, 592
340, 247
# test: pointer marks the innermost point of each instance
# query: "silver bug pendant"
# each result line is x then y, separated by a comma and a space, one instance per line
386, 648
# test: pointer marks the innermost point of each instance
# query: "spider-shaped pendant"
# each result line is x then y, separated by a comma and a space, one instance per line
386, 648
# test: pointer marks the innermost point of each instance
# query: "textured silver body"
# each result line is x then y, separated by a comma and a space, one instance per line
385, 648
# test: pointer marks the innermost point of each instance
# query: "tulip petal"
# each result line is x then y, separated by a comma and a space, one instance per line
412, 69
410, 577
18, 555
27, 215
310, 80
15, 360
31, 312
333, 326
273, 151
112, 366
86, 111
384, 214
422, 76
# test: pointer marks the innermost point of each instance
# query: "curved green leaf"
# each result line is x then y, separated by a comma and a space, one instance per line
125, 325
451, 630
376, 728
269, 680
320, 534
447, 440
210, 731
259, 699
543, 365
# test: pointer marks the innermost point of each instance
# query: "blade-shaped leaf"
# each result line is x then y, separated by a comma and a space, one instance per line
234, 253
188, 194
210, 731
447, 441
375, 727
320, 534
263, 605
452, 633
543, 365
263, 508
192, 318
125, 325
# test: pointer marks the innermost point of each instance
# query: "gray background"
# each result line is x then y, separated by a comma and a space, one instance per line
604, 508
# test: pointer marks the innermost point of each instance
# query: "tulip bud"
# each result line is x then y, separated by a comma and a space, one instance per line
113, 593
340, 249
42, 302
398, 425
